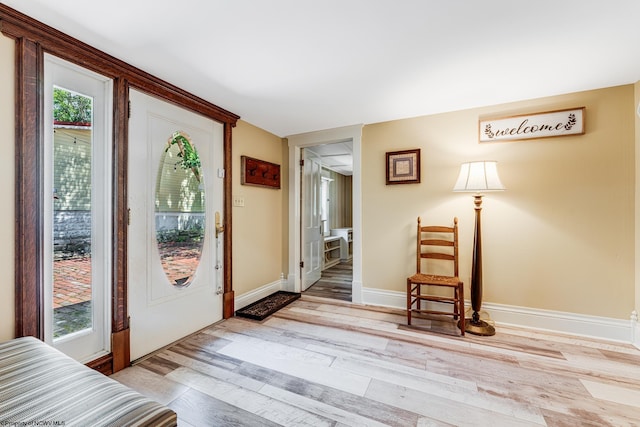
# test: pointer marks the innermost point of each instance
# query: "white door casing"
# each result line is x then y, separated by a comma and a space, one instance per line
296, 144
160, 312
94, 341
313, 247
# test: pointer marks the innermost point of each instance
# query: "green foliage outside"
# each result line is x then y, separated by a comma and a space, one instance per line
193, 235
188, 153
71, 107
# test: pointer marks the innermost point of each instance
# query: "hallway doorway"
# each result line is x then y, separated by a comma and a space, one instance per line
327, 189
351, 136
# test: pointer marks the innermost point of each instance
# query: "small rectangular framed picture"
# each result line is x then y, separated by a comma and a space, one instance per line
403, 167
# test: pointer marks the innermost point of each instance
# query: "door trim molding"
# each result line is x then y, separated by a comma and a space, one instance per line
228, 294
29, 181
296, 143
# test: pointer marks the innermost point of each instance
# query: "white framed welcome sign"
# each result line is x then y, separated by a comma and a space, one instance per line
529, 126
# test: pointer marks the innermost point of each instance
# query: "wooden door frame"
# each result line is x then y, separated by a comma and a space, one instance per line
33, 39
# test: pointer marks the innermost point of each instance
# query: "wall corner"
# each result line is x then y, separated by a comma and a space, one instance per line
635, 329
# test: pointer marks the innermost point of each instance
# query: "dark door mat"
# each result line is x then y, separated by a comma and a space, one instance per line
268, 305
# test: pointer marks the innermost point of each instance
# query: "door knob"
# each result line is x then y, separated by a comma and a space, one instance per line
219, 226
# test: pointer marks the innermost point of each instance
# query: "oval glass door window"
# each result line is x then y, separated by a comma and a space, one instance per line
179, 210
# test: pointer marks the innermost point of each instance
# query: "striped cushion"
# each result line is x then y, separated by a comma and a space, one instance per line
39, 385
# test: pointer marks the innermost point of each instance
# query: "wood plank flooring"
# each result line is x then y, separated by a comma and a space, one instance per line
335, 282
321, 362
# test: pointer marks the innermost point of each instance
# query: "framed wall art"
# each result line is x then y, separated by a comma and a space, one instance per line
259, 173
403, 167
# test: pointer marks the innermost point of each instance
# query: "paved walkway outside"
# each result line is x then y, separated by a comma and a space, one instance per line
179, 261
72, 277
71, 281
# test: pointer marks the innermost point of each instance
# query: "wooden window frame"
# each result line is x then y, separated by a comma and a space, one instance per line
33, 39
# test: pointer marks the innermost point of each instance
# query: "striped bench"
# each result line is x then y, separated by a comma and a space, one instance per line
39, 385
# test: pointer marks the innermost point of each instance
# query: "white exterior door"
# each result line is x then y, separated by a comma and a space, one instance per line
162, 309
313, 242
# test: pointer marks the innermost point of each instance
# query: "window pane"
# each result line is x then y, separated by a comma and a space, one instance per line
180, 209
72, 273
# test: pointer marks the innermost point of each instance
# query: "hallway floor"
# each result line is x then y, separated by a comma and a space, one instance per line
335, 282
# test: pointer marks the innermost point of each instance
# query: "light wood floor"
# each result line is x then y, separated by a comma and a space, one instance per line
324, 362
335, 282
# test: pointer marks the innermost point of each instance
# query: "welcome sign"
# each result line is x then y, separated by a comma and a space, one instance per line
540, 125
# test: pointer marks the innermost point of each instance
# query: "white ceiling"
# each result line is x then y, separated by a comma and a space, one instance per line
293, 66
337, 156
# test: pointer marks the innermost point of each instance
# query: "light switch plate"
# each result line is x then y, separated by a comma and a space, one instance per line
238, 201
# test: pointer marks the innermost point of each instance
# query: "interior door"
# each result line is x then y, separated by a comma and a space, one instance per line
166, 303
313, 242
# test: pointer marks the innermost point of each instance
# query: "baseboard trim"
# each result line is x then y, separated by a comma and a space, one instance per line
548, 320
384, 298
557, 321
247, 298
356, 292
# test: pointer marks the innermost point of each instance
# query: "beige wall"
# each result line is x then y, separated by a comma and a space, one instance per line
637, 201
561, 237
7, 193
259, 234
284, 168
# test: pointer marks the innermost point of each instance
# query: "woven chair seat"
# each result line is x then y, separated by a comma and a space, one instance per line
426, 279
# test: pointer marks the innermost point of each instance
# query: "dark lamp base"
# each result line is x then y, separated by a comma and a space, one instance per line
478, 328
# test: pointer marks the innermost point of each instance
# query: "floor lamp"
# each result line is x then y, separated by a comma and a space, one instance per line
478, 177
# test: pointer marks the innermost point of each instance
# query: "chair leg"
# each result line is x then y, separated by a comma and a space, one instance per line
408, 302
456, 306
461, 308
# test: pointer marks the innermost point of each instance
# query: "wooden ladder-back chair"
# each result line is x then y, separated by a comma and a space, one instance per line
439, 245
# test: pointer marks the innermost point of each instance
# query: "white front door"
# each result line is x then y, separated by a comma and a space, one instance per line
313, 242
166, 303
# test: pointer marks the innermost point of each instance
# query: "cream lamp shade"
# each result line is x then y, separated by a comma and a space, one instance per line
478, 177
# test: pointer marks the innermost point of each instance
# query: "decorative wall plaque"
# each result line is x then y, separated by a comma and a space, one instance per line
529, 126
259, 173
